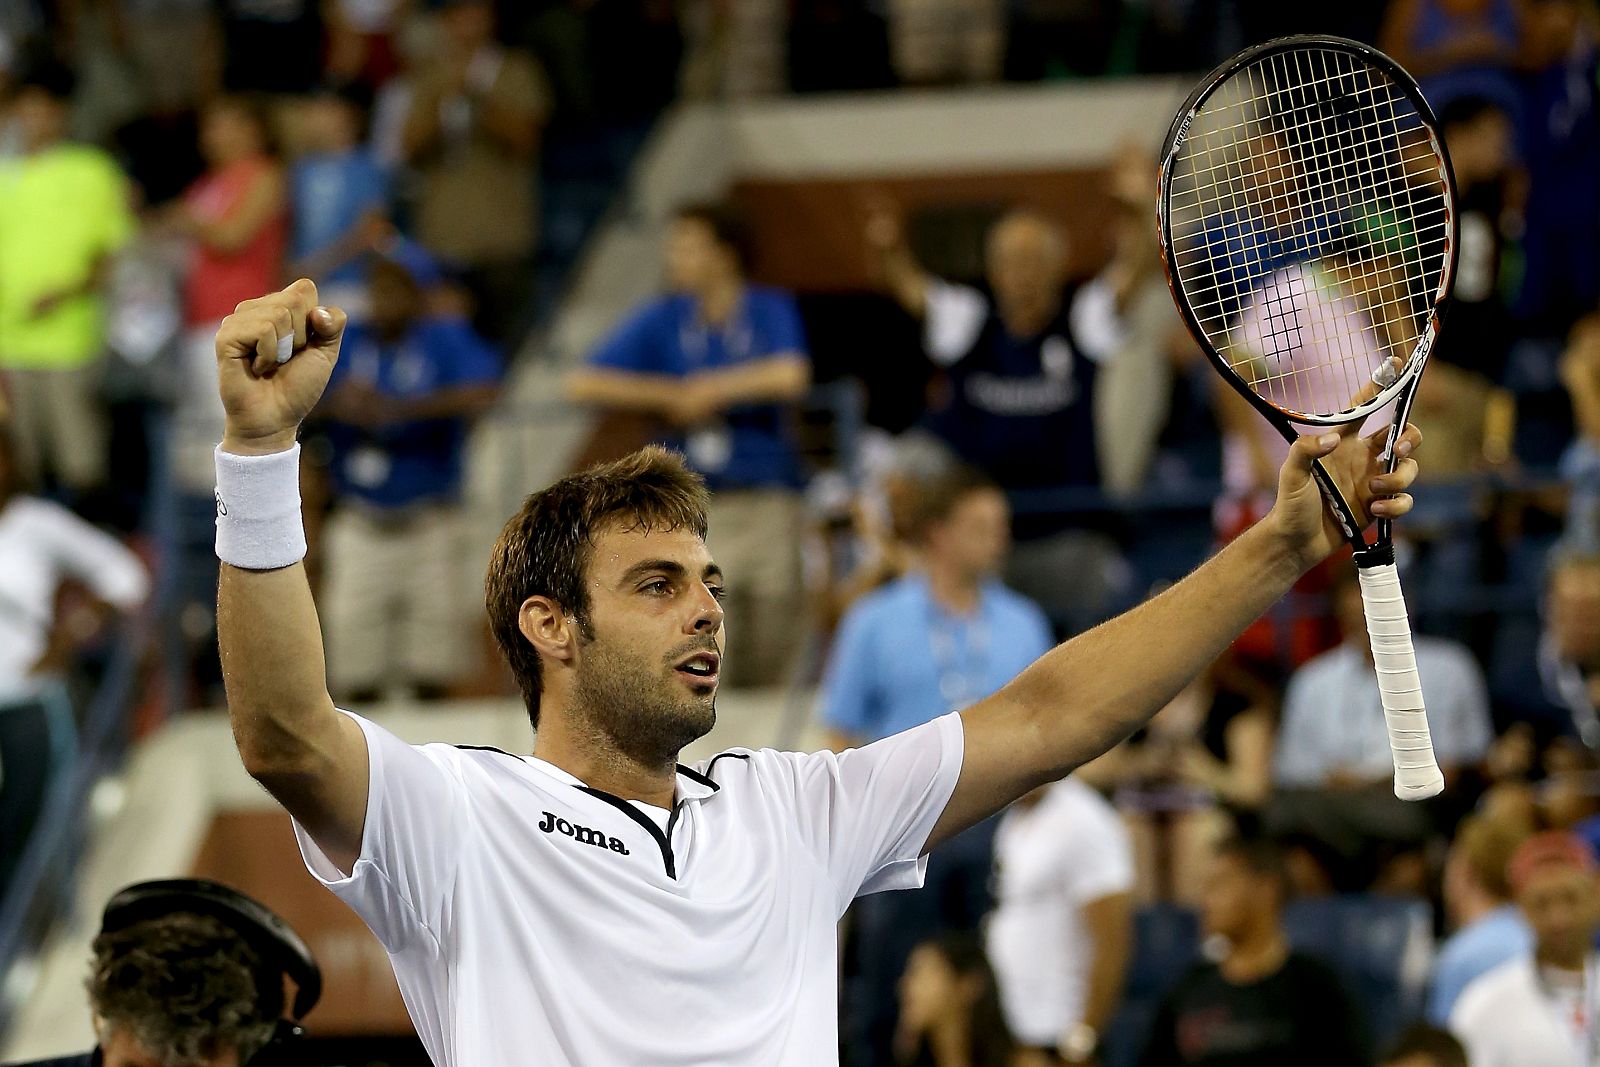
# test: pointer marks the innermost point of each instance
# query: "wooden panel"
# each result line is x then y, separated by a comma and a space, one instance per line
255, 853
808, 234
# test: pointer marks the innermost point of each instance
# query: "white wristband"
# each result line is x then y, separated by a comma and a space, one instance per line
258, 510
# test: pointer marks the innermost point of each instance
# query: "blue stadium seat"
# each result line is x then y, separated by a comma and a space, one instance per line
1381, 946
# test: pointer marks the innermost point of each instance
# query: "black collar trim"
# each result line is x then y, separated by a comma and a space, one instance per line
661, 839
491, 748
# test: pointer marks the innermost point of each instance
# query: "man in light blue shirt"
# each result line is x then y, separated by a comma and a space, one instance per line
1489, 928
941, 638
1332, 769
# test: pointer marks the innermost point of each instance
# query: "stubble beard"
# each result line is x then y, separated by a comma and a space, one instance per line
631, 705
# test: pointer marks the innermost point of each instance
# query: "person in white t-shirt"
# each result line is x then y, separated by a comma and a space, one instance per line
1542, 1010
594, 902
1060, 936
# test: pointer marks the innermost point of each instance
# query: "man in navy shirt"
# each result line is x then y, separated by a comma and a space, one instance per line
1018, 400
721, 363
401, 397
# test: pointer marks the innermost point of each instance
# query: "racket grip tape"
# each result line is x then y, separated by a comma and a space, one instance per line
1416, 772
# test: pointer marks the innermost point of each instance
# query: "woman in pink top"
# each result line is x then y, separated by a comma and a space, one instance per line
235, 212
235, 215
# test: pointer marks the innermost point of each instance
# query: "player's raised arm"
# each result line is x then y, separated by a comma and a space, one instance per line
310, 757
1086, 695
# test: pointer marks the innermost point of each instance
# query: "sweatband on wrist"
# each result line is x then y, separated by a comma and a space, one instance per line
258, 510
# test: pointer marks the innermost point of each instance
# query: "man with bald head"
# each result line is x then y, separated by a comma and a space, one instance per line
1018, 393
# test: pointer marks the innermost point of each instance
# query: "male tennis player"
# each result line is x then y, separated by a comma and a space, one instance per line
594, 903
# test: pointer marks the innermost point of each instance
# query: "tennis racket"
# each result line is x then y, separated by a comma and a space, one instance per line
1308, 230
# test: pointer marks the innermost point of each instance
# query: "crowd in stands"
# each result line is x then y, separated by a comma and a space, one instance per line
162, 160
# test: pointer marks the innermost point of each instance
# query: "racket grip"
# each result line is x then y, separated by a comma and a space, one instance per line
1416, 772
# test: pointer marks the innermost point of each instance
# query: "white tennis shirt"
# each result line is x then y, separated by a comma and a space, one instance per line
533, 920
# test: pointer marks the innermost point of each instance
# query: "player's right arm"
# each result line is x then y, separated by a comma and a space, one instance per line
310, 757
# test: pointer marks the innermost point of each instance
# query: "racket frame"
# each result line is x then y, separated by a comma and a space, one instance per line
1381, 551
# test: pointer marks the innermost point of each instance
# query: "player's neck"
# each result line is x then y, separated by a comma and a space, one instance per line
600, 766
953, 589
1259, 954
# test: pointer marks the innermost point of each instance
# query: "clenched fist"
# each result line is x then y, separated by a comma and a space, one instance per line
266, 393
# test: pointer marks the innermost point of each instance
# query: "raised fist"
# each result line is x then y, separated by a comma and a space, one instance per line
274, 356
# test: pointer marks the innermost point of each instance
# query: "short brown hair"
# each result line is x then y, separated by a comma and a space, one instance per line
185, 987
938, 497
1486, 846
727, 225
544, 549
1438, 1047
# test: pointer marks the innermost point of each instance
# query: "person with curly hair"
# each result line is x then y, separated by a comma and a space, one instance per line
179, 990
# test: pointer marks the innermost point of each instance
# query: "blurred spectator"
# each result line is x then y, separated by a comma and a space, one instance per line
401, 397
1333, 765
939, 639
477, 110
1424, 1046
1489, 189
1488, 928
1019, 400
733, 51
66, 211
42, 546
234, 215
173, 48
271, 46
1062, 929
949, 1009
189, 973
1569, 651
1539, 1010
1580, 466
1262, 1004
1559, 138
362, 40
947, 42
1456, 48
1202, 767
722, 362
338, 193
1125, 321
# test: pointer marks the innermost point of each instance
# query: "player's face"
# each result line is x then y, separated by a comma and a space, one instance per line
1560, 906
119, 1049
647, 675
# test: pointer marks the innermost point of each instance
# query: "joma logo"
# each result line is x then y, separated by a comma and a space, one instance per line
582, 834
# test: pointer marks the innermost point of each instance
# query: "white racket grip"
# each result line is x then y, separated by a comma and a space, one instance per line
1416, 772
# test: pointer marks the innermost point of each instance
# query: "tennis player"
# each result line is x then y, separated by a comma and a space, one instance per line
595, 903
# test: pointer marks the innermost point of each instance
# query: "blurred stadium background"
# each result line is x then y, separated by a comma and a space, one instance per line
512, 174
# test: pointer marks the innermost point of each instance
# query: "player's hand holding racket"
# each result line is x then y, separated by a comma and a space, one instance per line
274, 357
1308, 229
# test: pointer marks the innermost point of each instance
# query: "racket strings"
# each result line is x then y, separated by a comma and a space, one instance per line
1310, 226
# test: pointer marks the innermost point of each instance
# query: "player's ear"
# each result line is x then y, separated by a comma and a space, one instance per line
548, 629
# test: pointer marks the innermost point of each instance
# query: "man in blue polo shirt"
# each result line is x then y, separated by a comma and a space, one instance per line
721, 363
401, 398
943, 637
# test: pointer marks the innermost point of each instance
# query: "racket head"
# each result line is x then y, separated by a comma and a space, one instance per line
1307, 225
